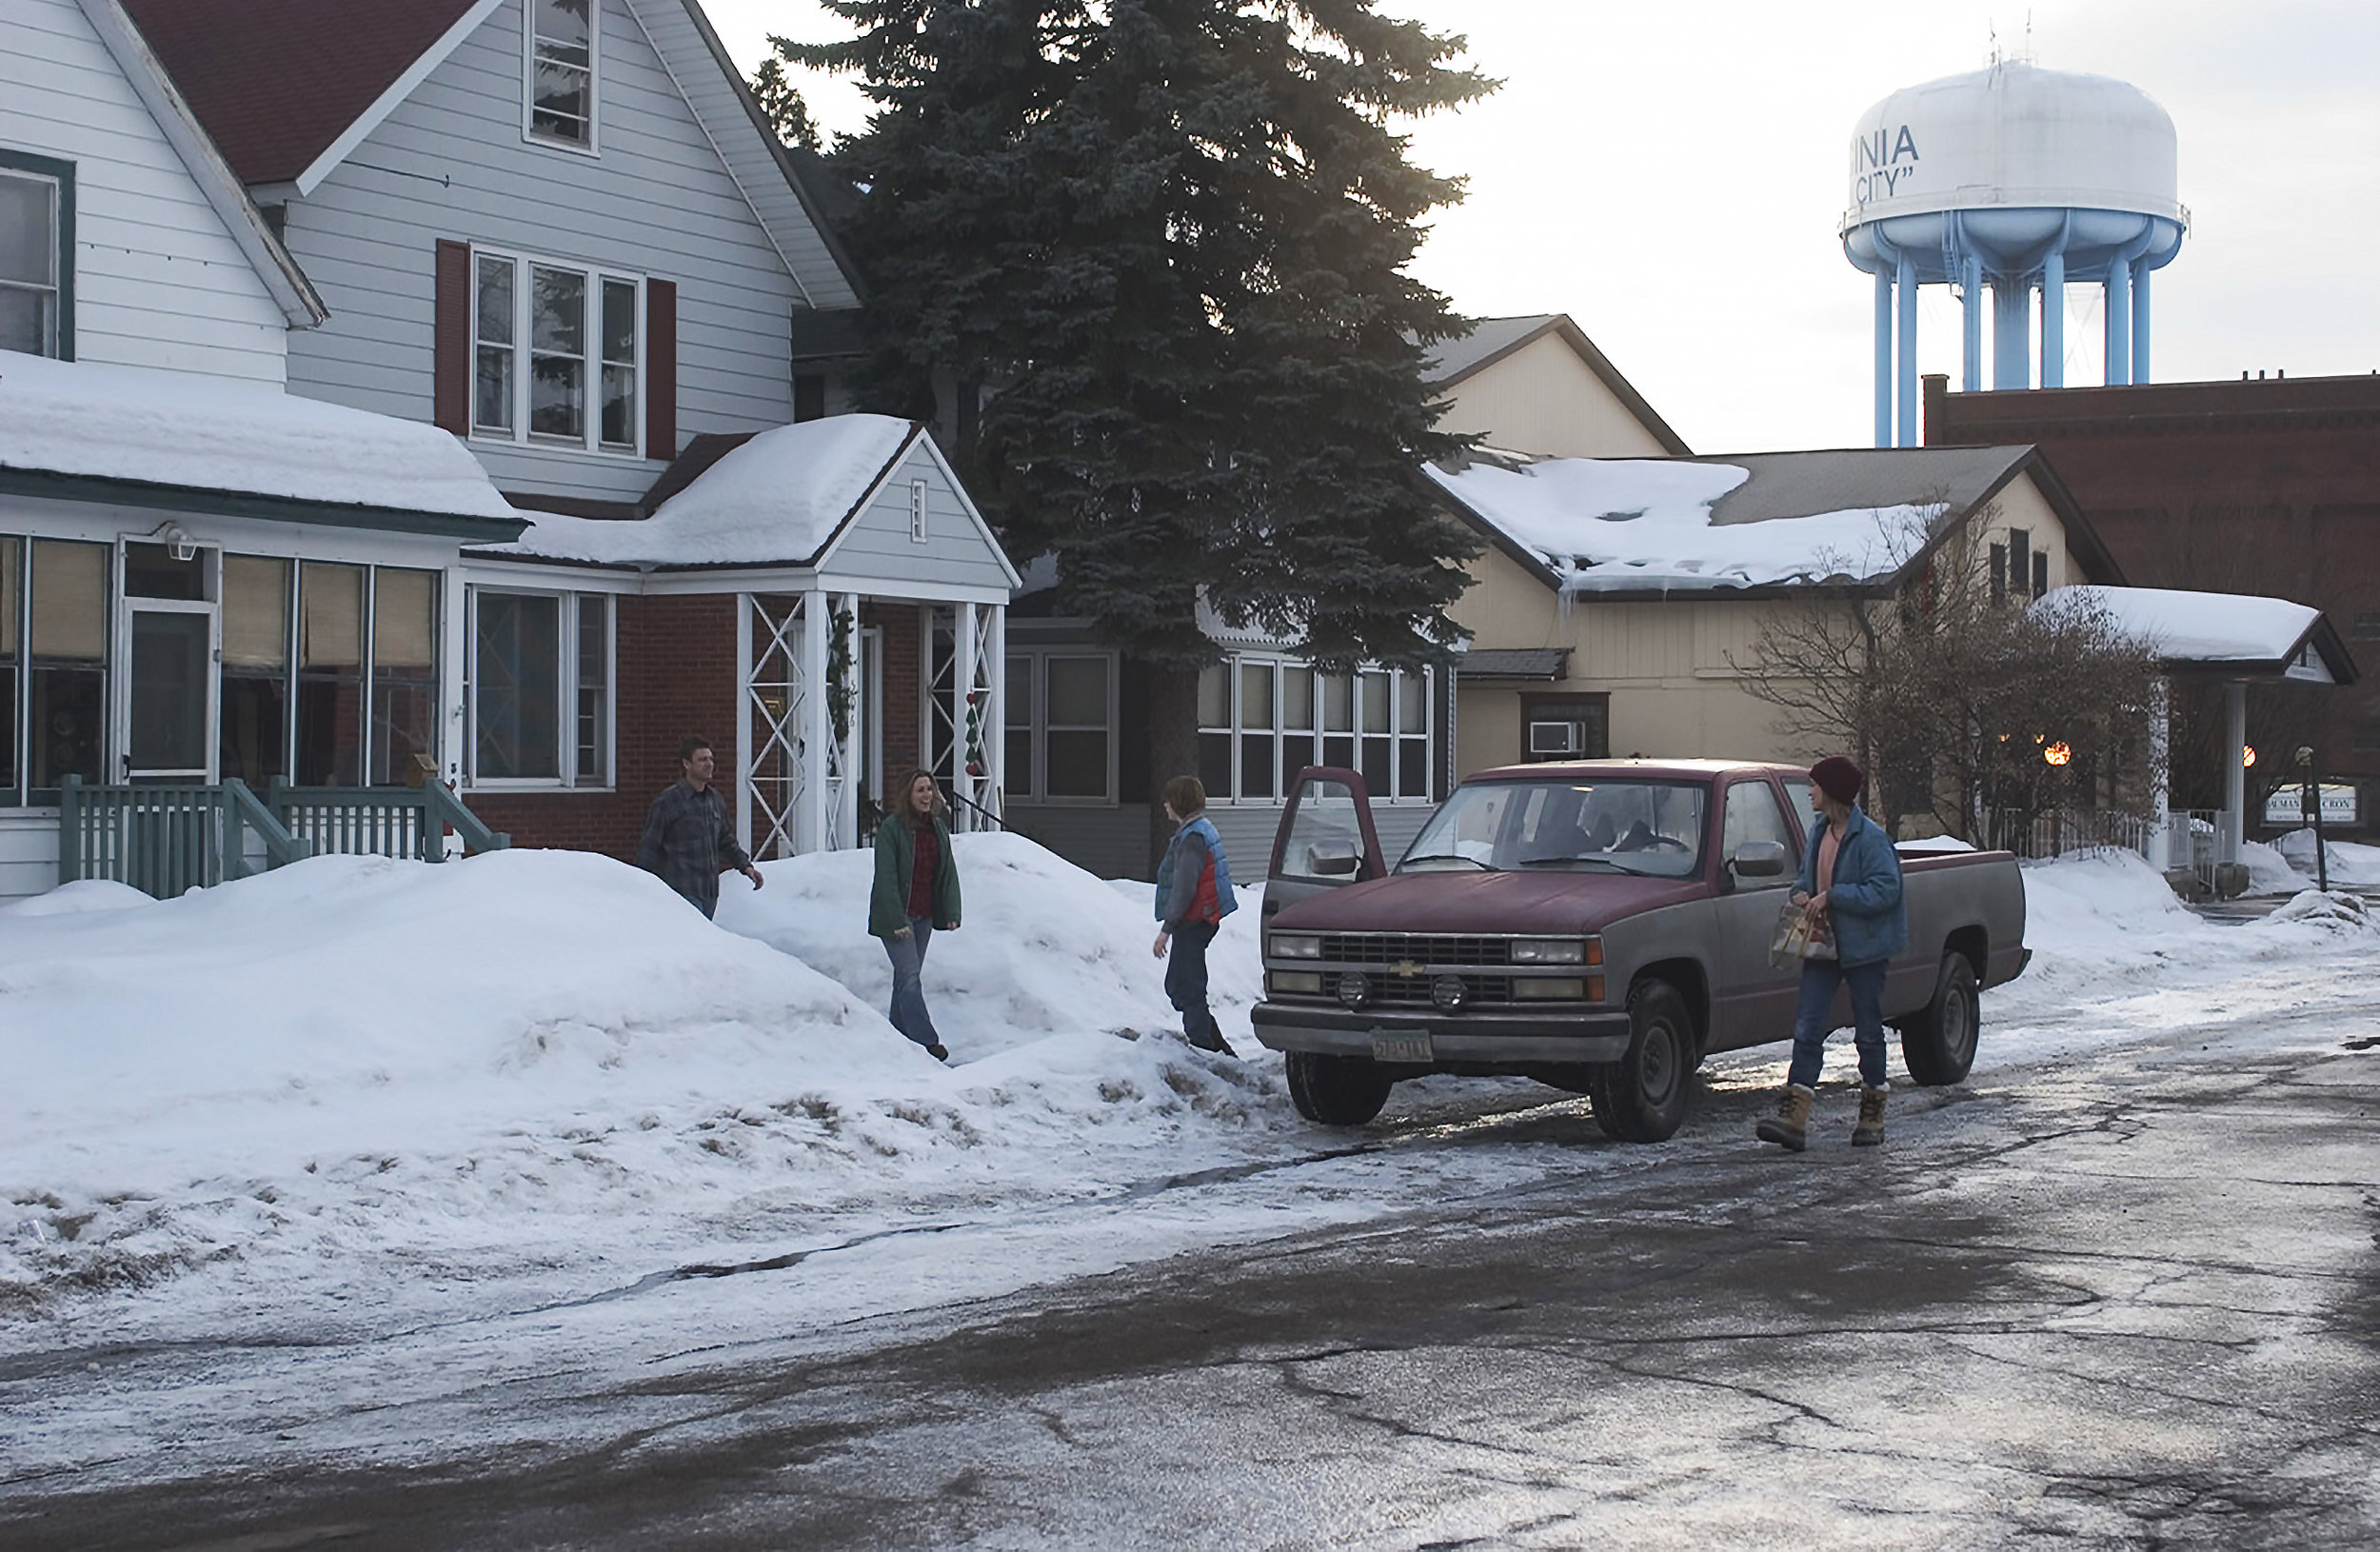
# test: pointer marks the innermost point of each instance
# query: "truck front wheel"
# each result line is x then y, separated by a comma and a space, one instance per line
1939, 1042
1335, 1090
1641, 1098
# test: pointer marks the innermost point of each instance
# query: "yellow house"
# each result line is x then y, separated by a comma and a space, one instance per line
1618, 596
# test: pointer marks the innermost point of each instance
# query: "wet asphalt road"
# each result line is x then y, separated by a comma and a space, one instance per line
2133, 1302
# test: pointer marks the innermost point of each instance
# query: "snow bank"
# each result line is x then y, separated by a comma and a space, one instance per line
1617, 524
2352, 864
2269, 871
542, 1065
128, 423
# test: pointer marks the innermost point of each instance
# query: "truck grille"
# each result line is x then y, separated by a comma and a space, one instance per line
1399, 991
1425, 949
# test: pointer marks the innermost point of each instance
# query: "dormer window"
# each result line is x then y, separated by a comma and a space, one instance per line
560, 72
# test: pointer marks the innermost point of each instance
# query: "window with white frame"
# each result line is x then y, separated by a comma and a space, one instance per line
36, 250
1061, 726
557, 352
540, 689
559, 71
1261, 719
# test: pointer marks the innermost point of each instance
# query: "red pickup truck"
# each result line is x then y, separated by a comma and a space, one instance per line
1599, 926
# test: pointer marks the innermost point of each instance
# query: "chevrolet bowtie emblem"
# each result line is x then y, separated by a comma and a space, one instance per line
1405, 967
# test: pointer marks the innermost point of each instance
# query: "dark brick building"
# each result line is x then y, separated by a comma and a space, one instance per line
2269, 486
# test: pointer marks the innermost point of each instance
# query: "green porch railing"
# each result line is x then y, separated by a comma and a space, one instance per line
163, 840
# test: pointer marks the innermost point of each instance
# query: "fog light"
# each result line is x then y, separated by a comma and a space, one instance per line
1353, 989
1449, 992
1568, 988
1305, 983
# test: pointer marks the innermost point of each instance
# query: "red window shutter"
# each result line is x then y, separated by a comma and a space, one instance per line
450, 341
661, 369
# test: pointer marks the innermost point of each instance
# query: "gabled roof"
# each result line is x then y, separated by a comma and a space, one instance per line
279, 81
1491, 340
1744, 524
289, 88
217, 181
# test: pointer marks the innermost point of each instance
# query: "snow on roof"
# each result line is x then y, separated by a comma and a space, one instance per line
2198, 627
1614, 524
204, 433
777, 498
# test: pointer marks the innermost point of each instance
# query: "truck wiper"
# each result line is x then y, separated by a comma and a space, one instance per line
1446, 857
1572, 861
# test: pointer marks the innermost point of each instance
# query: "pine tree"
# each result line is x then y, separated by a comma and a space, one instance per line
781, 103
1166, 241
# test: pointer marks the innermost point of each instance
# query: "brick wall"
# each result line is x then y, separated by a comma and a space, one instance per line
676, 661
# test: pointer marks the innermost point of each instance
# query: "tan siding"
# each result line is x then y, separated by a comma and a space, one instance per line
1543, 399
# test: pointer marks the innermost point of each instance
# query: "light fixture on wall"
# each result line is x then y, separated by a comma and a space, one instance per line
177, 541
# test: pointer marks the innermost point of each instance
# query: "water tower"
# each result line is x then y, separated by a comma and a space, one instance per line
2018, 177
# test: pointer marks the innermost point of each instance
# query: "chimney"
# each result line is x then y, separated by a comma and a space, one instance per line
1936, 387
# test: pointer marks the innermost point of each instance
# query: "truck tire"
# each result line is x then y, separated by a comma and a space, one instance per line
1335, 1090
1939, 1042
1641, 1098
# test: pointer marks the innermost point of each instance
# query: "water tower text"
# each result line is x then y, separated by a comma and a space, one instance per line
1876, 172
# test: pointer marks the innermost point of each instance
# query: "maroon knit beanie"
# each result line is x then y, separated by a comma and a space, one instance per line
1838, 779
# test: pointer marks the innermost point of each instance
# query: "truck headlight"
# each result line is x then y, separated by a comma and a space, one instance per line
1296, 946
1549, 951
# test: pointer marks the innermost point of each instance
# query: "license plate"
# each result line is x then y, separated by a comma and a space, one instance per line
1400, 1046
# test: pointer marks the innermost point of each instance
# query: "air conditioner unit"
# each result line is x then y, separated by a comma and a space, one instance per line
1553, 738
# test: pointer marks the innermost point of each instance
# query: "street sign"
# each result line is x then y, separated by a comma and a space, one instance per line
2286, 805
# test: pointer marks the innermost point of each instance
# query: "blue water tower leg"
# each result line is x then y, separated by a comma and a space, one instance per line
1908, 352
2012, 332
2119, 323
1970, 280
2140, 319
1884, 358
2054, 321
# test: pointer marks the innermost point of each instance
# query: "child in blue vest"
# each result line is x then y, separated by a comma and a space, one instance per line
1193, 897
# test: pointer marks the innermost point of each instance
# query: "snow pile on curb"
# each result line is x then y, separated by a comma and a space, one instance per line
2354, 865
357, 1070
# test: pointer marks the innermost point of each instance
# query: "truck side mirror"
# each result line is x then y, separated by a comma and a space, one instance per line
1325, 859
1759, 860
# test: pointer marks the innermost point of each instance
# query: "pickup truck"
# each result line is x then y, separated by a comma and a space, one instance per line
1599, 926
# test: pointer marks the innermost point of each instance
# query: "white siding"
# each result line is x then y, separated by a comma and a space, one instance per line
957, 552
158, 280
451, 162
28, 852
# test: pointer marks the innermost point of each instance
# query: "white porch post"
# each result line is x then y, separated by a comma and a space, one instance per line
2160, 848
809, 832
744, 721
962, 681
996, 715
2234, 774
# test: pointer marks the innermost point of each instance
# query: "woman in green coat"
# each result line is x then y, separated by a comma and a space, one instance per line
916, 896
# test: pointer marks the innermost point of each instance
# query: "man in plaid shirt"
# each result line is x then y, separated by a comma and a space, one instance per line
687, 836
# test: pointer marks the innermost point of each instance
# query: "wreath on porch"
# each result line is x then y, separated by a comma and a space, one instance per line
841, 694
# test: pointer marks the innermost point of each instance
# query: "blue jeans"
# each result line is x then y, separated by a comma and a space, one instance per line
908, 998
1815, 1021
1185, 978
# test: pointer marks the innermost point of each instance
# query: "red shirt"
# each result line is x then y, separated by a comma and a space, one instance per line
929, 856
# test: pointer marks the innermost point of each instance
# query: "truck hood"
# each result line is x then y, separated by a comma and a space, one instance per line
1558, 903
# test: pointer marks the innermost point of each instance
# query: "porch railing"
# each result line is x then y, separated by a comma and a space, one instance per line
163, 840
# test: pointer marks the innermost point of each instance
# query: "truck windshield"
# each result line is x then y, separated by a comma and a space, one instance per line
1612, 827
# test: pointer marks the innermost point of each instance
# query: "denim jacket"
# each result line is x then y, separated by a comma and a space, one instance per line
1871, 918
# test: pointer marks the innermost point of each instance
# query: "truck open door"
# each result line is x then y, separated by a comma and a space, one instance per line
1326, 840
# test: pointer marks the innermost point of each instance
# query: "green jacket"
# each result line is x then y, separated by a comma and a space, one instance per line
896, 860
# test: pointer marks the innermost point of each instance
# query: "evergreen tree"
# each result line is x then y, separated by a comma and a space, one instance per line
781, 103
1165, 241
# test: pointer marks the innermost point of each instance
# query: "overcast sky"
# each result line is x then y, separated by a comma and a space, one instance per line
1671, 174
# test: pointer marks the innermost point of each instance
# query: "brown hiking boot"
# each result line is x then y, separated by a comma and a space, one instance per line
1789, 1126
1871, 1128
